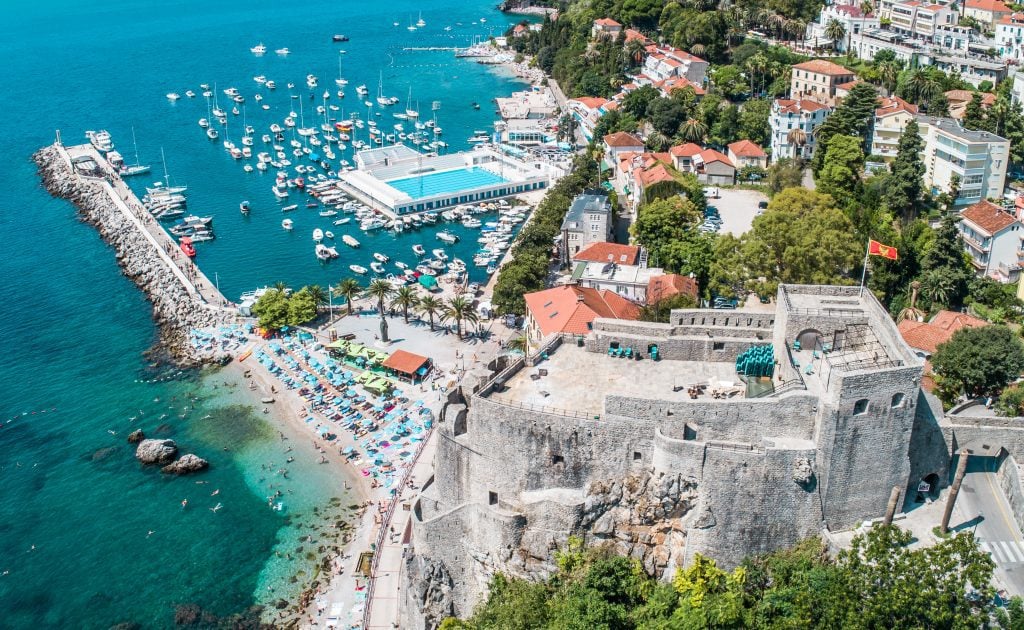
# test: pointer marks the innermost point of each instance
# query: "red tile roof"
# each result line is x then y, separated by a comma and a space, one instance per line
678, 83
927, 336
591, 102
894, 105
685, 150
793, 106
569, 309
669, 285
654, 175
405, 362
632, 34
820, 66
609, 252
606, 22
710, 155
746, 148
992, 6
988, 217
1013, 18
622, 139
956, 97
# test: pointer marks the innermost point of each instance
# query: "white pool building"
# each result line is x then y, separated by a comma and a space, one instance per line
399, 180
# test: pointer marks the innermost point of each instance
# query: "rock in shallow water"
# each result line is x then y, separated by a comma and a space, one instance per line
136, 436
187, 464
156, 451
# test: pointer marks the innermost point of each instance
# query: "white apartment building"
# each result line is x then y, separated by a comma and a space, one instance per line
854, 21
1010, 37
665, 62
979, 158
891, 117
788, 114
915, 18
992, 238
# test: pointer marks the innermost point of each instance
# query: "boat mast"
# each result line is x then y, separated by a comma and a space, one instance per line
167, 178
136, 145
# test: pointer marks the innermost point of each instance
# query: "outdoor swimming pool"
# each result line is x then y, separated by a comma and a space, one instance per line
430, 184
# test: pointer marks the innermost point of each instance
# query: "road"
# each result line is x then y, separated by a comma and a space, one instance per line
983, 507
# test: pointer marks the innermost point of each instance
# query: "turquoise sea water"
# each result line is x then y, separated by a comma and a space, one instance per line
74, 330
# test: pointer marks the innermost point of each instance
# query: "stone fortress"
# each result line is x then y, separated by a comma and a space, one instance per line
673, 453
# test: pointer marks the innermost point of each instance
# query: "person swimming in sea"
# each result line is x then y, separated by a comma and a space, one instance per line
184, 504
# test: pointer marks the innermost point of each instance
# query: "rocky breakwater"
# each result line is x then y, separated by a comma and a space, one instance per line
176, 309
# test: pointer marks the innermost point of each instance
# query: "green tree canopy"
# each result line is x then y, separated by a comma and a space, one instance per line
802, 238
904, 187
980, 361
271, 309
302, 307
841, 168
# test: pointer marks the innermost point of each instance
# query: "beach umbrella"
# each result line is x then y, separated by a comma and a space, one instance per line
347, 450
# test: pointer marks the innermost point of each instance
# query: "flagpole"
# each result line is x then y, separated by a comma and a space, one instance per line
864, 271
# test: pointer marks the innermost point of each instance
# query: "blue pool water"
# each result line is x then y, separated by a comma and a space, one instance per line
430, 184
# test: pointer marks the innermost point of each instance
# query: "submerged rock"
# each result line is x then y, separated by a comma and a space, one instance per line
156, 451
136, 436
103, 453
187, 464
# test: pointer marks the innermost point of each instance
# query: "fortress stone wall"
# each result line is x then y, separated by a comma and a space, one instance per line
639, 465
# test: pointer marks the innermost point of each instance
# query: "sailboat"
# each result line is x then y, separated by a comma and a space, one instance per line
382, 100
137, 168
340, 81
411, 26
420, 23
409, 111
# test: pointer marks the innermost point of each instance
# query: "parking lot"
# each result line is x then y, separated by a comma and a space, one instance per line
736, 208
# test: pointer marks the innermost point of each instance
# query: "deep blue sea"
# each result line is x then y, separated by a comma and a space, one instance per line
76, 511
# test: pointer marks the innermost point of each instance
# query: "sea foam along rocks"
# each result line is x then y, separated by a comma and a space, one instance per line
156, 451
186, 464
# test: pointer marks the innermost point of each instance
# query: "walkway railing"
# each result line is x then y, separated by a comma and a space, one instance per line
385, 523
555, 411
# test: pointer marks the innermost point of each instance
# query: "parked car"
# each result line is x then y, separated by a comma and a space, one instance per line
723, 302
762, 205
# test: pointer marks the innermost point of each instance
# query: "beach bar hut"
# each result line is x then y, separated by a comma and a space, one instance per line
408, 366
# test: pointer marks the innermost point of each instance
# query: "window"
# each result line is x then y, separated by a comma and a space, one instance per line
718, 345
557, 459
898, 399
492, 498
860, 407
637, 456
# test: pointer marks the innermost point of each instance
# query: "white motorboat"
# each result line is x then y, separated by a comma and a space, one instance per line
380, 257
328, 213
377, 267
325, 253
357, 269
282, 51
349, 240
258, 49
342, 221
329, 234
172, 96
289, 208
318, 235
287, 224
439, 254
418, 250
280, 194
401, 265
447, 237
204, 123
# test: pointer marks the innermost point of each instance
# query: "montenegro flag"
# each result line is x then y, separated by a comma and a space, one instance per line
877, 249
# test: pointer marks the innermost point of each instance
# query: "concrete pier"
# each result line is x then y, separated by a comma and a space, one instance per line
183, 298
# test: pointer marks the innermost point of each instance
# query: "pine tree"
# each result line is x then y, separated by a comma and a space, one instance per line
852, 117
904, 186
945, 260
974, 115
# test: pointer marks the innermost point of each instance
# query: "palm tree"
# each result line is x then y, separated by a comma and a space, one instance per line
922, 86
698, 49
798, 138
888, 71
937, 288
693, 130
517, 343
318, 294
405, 297
430, 306
867, 7
459, 309
348, 288
281, 286
382, 290
835, 31
658, 141
635, 49
912, 312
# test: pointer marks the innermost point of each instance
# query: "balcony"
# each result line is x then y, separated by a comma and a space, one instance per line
976, 244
